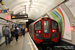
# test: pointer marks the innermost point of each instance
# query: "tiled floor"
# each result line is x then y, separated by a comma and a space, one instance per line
13, 45
2, 40
24, 43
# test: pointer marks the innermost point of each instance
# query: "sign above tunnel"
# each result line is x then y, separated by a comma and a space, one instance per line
19, 16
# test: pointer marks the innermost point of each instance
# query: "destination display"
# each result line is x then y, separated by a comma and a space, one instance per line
19, 16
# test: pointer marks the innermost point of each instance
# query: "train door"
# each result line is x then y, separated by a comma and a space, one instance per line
46, 28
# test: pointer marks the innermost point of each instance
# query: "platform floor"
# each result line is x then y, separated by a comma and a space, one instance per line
24, 43
13, 45
2, 40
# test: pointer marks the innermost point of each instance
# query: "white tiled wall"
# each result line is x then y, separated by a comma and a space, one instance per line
3, 38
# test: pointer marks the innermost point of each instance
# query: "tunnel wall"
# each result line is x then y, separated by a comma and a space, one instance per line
71, 6
63, 21
68, 20
71, 20
59, 17
67, 30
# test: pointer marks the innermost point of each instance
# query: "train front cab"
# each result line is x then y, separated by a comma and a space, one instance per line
44, 30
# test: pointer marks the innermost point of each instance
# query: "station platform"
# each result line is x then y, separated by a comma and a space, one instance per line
2, 41
24, 43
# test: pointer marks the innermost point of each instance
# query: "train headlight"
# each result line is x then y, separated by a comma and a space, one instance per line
39, 31
53, 30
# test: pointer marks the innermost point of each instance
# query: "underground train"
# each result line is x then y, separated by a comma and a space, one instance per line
44, 30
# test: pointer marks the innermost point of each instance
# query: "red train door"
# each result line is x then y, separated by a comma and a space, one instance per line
46, 28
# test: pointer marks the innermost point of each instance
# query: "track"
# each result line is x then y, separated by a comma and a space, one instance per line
45, 47
51, 47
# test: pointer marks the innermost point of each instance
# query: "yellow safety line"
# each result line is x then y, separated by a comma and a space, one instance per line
30, 42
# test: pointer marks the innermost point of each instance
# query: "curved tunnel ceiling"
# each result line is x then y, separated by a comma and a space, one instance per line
17, 9
35, 8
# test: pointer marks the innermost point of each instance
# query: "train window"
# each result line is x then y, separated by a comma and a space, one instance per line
38, 25
46, 27
54, 25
